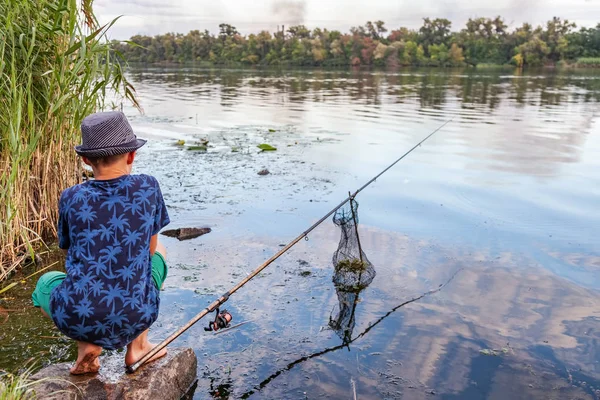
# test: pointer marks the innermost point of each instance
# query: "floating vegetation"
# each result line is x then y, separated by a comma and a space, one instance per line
494, 352
272, 130
198, 148
351, 265
266, 147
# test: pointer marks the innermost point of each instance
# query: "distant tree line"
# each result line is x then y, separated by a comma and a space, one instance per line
482, 40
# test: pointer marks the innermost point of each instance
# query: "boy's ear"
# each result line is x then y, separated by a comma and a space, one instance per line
130, 157
85, 160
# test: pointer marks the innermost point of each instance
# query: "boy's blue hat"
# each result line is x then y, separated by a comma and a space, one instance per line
107, 134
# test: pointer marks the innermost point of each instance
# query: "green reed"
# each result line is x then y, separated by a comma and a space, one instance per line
22, 385
55, 68
16, 387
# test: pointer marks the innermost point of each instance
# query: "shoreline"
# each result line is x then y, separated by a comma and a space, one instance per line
348, 67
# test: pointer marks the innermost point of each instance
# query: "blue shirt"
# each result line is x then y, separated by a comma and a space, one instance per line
108, 296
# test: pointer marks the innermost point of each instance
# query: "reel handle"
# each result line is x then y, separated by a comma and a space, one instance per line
222, 320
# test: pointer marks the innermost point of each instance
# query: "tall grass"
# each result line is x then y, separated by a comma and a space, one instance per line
23, 385
588, 62
55, 69
16, 387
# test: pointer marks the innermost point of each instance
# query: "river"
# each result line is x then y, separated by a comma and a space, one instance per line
494, 220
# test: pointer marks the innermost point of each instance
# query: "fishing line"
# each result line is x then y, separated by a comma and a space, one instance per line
215, 304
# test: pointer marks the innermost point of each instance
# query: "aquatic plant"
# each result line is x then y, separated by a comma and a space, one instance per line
21, 386
351, 265
15, 387
56, 66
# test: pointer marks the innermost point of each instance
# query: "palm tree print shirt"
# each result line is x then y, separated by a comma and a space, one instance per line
108, 297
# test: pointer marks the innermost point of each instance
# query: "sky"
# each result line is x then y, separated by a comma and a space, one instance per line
151, 17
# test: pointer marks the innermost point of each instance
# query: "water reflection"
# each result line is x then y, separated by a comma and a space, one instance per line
347, 339
508, 121
431, 87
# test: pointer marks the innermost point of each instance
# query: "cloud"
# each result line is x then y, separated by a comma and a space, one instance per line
289, 12
152, 17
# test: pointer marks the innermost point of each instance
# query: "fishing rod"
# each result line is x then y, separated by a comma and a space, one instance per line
217, 303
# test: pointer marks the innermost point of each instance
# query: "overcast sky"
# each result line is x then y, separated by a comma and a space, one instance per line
152, 17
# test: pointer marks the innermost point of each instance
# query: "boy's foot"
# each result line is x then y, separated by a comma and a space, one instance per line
138, 349
87, 359
134, 354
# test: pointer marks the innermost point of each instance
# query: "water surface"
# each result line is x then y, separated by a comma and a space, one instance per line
499, 207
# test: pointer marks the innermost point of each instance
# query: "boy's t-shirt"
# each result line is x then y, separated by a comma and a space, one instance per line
108, 297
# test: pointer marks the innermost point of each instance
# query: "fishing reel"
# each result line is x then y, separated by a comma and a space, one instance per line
222, 320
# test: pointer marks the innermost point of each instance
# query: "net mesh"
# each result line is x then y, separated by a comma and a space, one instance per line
352, 268
353, 271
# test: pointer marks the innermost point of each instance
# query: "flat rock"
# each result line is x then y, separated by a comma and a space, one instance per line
164, 379
186, 233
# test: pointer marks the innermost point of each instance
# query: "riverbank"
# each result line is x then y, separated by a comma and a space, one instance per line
583, 64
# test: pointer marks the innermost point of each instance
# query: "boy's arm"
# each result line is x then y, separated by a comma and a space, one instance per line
153, 242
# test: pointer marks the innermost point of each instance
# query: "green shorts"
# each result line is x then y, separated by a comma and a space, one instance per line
50, 280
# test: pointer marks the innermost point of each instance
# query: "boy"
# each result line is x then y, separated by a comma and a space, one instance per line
115, 265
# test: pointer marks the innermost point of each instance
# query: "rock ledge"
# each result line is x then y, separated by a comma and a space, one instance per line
167, 378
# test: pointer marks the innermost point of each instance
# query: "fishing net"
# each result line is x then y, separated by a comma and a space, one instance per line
343, 322
352, 269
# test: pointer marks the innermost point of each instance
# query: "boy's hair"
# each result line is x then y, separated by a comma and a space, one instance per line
105, 161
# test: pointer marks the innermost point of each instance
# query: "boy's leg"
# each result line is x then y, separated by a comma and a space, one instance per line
43, 290
161, 248
159, 265
87, 359
139, 347
87, 353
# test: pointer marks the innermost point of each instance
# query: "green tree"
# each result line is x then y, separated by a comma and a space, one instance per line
484, 40
555, 37
455, 55
533, 53
227, 31
439, 54
434, 32
318, 52
299, 31
481, 40
375, 30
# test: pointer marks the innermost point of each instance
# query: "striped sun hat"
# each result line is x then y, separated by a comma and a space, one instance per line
107, 134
